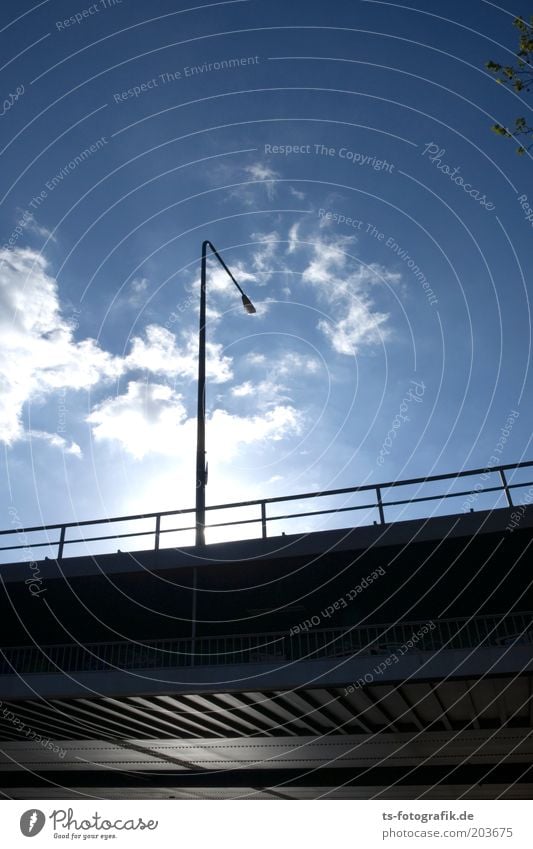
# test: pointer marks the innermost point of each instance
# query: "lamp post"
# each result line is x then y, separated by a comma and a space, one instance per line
201, 466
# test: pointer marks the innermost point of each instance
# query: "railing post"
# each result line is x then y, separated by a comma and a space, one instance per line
505, 486
61, 543
380, 505
157, 531
263, 520
193, 613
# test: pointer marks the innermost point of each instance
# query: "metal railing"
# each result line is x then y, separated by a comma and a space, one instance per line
272, 648
157, 532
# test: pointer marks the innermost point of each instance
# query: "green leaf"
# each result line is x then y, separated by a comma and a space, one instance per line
501, 131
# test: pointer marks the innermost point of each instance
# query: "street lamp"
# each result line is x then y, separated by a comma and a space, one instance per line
201, 466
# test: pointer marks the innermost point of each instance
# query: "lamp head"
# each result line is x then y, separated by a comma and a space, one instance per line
247, 304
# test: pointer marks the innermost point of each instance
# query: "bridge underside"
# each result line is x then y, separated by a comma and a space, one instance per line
468, 737
277, 709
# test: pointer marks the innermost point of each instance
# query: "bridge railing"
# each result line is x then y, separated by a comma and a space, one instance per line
55, 538
392, 640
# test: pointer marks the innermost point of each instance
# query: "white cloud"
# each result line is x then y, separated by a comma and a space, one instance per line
293, 363
360, 326
275, 388
159, 354
38, 352
56, 441
219, 284
328, 260
294, 237
147, 419
244, 389
260, 171
151, 419
344, 284
297, 193
264, 256
138, 288
228, 431
33, 226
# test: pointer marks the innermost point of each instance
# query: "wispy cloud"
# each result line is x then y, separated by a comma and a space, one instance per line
360, 326
345, 284
137, 291
297, 193
267, 175
264, 255
56, 441
294, 237
282, 372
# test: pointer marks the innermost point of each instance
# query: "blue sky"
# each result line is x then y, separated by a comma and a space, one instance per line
340, 158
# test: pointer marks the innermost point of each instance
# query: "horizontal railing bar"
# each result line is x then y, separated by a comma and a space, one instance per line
383, 627
276, 499
177, 530
366, 487
114, 536
150, 644
518, 485
236, 522
109, 521
371, 506
442, 497
380, 635
292, 515
322, 512
52, 543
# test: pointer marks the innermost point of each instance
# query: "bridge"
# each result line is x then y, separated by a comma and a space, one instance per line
385, 653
